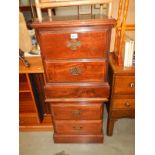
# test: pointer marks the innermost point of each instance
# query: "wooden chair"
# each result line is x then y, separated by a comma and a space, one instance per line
41, 4
121, 27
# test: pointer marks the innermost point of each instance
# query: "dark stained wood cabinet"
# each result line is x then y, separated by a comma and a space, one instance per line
75, 58
122, 96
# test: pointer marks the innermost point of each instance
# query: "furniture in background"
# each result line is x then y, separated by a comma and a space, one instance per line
33, 113
121, 79
51, 4
122, 94
30, 10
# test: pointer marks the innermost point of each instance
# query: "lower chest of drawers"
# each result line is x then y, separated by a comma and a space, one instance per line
72, 119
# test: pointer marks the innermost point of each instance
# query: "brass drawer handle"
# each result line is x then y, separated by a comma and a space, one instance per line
132, 84
127, 104
75, 71
78, 128
76, 112
73, 44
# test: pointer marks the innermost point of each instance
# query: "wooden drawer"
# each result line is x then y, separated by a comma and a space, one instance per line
124, 85
123, 104
77, 111
78, 127
75, 71
73, 44
123, 113
28, 120
74, 90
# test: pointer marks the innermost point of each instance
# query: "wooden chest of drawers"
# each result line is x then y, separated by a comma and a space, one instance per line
122, 99
75, 59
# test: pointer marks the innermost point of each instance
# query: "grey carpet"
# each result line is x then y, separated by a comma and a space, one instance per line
121, 143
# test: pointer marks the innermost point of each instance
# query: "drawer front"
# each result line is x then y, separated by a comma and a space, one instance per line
123, 113
124, 85
73, 44
78, 127
75, 71
76, 91
78, 111
28, 120
123, 104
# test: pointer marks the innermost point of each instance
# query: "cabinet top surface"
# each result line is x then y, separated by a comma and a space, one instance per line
35, 65
120, 70
71, 21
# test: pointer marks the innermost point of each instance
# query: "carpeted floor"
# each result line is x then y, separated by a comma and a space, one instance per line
121, 143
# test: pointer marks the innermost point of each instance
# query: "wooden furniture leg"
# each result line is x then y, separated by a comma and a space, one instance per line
110, 126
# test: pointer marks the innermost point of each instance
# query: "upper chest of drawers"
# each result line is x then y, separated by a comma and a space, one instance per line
75, 51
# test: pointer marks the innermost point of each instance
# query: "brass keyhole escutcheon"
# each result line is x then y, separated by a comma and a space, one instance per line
76, 112
75, 71
73, 44
77, 127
